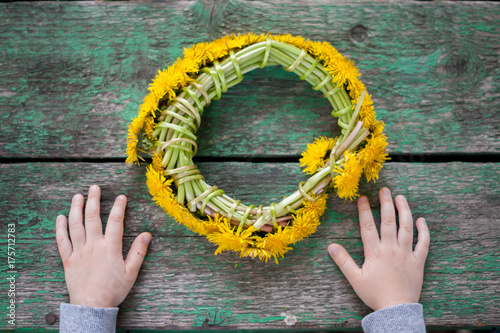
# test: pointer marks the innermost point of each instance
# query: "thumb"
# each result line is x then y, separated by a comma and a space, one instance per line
137, 252
344, 261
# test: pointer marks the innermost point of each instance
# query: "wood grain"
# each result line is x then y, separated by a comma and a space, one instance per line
182, 285
460, 196
72, 75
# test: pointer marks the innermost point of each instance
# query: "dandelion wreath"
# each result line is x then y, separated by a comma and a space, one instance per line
171, 115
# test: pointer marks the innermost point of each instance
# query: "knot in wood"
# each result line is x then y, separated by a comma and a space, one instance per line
359, 33
51, 318
460, 66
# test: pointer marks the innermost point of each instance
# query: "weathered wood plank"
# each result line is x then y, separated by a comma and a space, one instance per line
459, 200
73, 74
182, 285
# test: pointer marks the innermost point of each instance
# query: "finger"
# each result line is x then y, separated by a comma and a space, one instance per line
369, 234
62, 238
344, 261
76, 229
405, 233
114, 228
424, 240
388, 215
93, 225
136, 255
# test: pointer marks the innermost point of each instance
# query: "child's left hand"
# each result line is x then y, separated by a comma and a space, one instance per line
95, 272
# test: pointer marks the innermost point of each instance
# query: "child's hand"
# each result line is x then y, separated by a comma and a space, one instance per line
96, 274
392, 272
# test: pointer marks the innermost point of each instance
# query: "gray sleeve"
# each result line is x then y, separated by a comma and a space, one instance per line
402, 318
86, 319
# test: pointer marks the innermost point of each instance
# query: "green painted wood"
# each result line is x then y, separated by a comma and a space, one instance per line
72, 75
182, 285
461, 195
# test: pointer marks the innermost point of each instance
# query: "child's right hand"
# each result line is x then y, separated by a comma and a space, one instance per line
392, 272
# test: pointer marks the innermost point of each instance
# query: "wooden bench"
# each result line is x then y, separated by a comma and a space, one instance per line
72, 75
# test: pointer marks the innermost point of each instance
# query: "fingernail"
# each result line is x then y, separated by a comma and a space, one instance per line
94, 188
121, 197
363, 199
332, 250
59, 218
385, 190
401, 198
146, 238
77, 197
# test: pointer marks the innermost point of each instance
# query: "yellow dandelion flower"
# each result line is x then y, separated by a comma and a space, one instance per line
366, 111
134, 128
310, 47
254, 38
149, 105
329, 51
166, 82
314, 48
210, 226
237, 41
342, 70
373, 155
167, 200
325, 52
276, 243
164, 195
347, 180
315, 154
216, 49
188, 64
281, 38
195, 54
297, 41
132, 156
157, 159
304, 224
253, 253
317, 207
355, 87
306, 219
230, 239
149, 126
156, 181
186, 218
367, 114
377, 128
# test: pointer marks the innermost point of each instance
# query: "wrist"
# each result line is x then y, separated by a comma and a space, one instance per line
388, 304
91, 303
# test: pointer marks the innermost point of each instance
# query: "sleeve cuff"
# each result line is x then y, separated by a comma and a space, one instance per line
79, 318
400, 318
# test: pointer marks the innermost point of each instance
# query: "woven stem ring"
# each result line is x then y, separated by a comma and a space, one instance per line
172, 113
